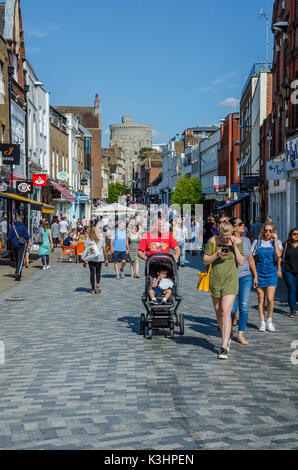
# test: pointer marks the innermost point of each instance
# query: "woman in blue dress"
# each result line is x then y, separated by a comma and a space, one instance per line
47, 244
267, 249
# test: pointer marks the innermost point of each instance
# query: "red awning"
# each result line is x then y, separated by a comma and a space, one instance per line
68, 196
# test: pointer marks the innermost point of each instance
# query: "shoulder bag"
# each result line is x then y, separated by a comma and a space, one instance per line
204, 276
22, 240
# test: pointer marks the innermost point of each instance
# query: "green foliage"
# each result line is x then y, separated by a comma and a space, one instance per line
188, 191
145, 149
116, 190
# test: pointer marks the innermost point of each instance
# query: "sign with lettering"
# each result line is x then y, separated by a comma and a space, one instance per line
250, 182
11, 154
4, 186
24, 187
291, 152
220, 183
275, 170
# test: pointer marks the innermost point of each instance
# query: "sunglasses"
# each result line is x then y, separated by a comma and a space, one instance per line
269, 231
295, 234
239, 225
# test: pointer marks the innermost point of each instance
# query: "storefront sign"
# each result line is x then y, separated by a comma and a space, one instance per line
63, 176
291, 153
220, 183
39, 180
84, 182
24, 187
250, 182
275, 170
4, 187
235, 188
11, 154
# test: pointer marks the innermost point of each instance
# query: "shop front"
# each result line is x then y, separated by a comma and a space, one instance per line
63, 201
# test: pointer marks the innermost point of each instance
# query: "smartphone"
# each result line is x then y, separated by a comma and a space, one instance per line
225, 250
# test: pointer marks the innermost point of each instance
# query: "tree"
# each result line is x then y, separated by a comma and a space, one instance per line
116, 190
188, 191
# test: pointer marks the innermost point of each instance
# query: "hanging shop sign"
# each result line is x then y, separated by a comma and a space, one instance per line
220, 183
11, 154
24, 187
63, 176
84, 182
39, 180
275, 170
291, 152
4, 187
250, 182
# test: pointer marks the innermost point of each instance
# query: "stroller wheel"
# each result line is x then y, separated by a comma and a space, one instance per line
142, 325
181, 318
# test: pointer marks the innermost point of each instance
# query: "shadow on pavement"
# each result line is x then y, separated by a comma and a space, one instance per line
82, 289
132, 322
200, 342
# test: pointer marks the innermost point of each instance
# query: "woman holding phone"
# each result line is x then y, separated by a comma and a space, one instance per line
225, 253
267, 249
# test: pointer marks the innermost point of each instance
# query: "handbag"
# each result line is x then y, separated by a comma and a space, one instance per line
91, 252
40, 238
204, 276
22, 240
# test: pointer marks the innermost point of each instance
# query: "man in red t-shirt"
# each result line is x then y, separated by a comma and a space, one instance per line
158, 241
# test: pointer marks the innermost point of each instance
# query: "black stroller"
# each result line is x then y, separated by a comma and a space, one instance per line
161, 315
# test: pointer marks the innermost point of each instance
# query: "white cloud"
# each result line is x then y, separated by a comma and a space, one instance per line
107, 132
229, 103
156, 134
223, 79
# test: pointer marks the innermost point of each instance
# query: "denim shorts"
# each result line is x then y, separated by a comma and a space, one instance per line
158, 291
119, 256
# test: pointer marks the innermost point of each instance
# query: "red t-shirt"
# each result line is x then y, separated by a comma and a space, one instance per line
152, 243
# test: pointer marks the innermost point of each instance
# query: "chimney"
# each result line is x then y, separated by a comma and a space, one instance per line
96, 105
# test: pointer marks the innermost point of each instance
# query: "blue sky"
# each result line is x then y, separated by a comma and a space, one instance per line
170, 63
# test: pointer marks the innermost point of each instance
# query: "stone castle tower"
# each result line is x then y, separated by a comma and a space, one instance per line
132, 138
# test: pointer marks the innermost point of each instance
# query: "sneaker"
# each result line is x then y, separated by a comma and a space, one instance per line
223, 354
153, 302
293, 314
269, 325
164, 301
48, 267
44, 268
263, 326
122, 274
118, 277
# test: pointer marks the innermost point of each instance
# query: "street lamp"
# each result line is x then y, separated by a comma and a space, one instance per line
286, 89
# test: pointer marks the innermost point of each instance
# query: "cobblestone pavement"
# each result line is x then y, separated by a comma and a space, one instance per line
78, 375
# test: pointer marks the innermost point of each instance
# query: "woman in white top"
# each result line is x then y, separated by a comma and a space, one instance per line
96, 264
266, 250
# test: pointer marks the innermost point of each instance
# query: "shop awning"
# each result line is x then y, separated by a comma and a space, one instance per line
232, 203
15, 197
68, 196
46, 209
38, 206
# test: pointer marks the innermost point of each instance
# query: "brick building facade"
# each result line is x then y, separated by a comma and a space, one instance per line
90, 118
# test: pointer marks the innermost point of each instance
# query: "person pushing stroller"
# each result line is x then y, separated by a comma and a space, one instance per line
161, 285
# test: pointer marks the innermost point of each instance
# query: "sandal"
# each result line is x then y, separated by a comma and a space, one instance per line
98, 288
93, 292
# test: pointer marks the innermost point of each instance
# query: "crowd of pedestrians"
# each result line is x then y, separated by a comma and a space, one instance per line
240, 258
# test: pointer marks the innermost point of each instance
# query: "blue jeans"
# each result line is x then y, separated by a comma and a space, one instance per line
291, 281
182, 257
242, 300
45, 259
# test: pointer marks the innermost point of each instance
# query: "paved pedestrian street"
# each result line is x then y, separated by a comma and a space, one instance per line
78, 375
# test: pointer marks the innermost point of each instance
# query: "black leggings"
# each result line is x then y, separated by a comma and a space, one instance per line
95, 270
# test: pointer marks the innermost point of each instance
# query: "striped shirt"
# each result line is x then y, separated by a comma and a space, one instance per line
245, 269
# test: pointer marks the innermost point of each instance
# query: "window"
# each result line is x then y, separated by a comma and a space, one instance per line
53, 164
57, 163
63, 163
16, 68
2, 87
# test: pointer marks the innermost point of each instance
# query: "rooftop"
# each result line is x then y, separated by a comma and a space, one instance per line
255, 71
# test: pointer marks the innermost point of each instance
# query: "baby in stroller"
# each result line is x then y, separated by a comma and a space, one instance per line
161, 285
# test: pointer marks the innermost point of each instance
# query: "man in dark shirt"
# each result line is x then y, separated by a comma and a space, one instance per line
18, 234
68, 240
